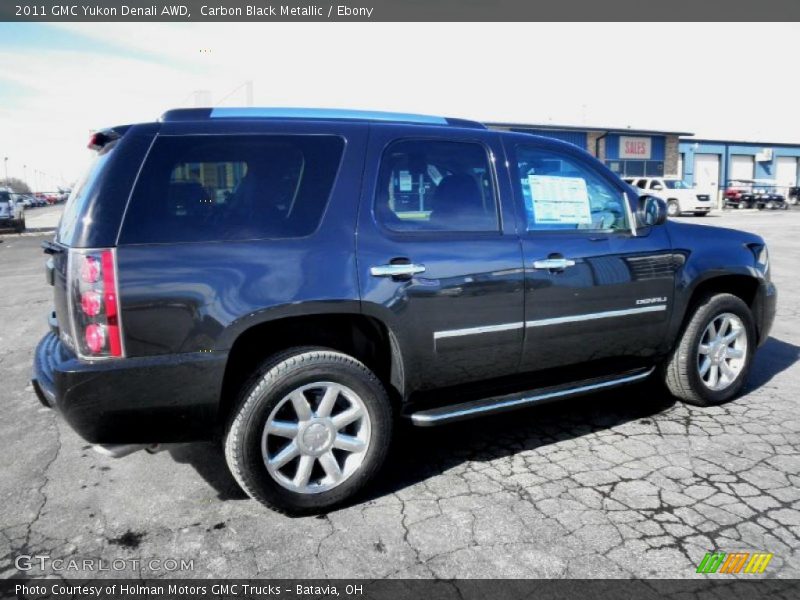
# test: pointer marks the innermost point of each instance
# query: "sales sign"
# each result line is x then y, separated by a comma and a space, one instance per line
634, 147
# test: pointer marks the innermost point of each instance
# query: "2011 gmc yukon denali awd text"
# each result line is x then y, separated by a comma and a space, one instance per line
294, 282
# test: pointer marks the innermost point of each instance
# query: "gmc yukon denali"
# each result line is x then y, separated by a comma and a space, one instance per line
295, 282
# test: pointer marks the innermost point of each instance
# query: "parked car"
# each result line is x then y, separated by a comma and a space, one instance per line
12, 213
753, 193
26, 200
261, 277
679, 196
794, 196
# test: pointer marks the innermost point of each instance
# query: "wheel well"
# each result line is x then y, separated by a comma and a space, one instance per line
742, 286
362, 337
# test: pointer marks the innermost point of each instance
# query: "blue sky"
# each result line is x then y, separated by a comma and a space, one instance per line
60, 81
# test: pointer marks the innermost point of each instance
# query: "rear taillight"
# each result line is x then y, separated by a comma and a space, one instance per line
94, 303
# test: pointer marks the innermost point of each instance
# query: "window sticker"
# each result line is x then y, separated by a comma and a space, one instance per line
562, 200
406, 182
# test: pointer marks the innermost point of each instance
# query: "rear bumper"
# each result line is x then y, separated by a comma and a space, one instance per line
150, 399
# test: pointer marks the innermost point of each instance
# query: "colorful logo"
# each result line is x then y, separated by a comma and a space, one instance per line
734, 562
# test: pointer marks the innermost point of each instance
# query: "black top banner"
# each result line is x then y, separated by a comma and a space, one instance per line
400, 10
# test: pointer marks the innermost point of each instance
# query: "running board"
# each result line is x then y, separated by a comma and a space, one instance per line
486, 406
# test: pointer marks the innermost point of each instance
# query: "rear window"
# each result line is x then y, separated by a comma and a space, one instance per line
221, 187
84, 189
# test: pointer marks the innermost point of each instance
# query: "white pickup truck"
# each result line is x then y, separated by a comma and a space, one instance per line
680, 197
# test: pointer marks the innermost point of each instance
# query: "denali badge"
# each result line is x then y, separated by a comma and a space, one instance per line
658, 300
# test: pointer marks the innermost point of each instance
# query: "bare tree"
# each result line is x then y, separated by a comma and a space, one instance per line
17, 185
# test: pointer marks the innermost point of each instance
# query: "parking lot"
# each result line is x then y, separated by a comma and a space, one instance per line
623, 484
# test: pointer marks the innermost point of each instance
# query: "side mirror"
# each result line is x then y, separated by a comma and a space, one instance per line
658, 187
652, 211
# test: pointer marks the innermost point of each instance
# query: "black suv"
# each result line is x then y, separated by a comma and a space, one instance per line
293, 282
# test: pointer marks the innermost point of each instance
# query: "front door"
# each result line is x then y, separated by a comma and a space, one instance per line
439, 261
595, 288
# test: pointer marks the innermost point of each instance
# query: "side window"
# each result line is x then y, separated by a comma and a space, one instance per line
655, 184
642, 184
428, 185
562, 194
232, 187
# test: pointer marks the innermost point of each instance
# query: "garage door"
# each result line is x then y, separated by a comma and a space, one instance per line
706, 173
742, 166
786, 172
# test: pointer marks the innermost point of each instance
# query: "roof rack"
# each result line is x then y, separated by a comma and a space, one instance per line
199, 114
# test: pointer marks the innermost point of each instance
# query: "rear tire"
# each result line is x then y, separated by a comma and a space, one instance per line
293, 407
689, 372
20, 226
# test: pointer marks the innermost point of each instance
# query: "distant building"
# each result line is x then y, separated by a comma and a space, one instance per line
627, 152
711, 164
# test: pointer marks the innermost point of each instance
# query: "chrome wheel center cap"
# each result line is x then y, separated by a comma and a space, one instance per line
718, 354
316, 438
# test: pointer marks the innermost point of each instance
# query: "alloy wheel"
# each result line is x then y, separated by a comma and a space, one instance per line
722, 352
316, 437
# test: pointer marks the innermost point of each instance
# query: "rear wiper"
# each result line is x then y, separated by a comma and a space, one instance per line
51, 247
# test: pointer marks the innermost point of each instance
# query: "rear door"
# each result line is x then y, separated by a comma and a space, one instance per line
438, 256
594, 287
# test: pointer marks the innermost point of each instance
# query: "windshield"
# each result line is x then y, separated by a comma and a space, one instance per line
676, 184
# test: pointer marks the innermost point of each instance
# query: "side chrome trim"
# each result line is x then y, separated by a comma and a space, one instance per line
458, 412
599, 315
437, 335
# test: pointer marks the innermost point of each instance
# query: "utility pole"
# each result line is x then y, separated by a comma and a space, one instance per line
5, 164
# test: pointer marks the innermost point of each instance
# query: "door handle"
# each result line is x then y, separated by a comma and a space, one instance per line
553, 264
396, 270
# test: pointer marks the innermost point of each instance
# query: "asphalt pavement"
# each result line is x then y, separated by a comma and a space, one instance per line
624, 484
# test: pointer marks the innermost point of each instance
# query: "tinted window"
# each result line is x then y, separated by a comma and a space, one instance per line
205, 188
75, 205
655, 184
561, 193
426, 185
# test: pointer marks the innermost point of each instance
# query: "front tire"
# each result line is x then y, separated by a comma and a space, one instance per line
313, 427
673, 208
20, 226
712, 358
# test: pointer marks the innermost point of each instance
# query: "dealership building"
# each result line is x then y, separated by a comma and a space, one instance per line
708, 164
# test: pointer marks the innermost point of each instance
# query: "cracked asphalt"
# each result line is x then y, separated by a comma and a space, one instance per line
621, 484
